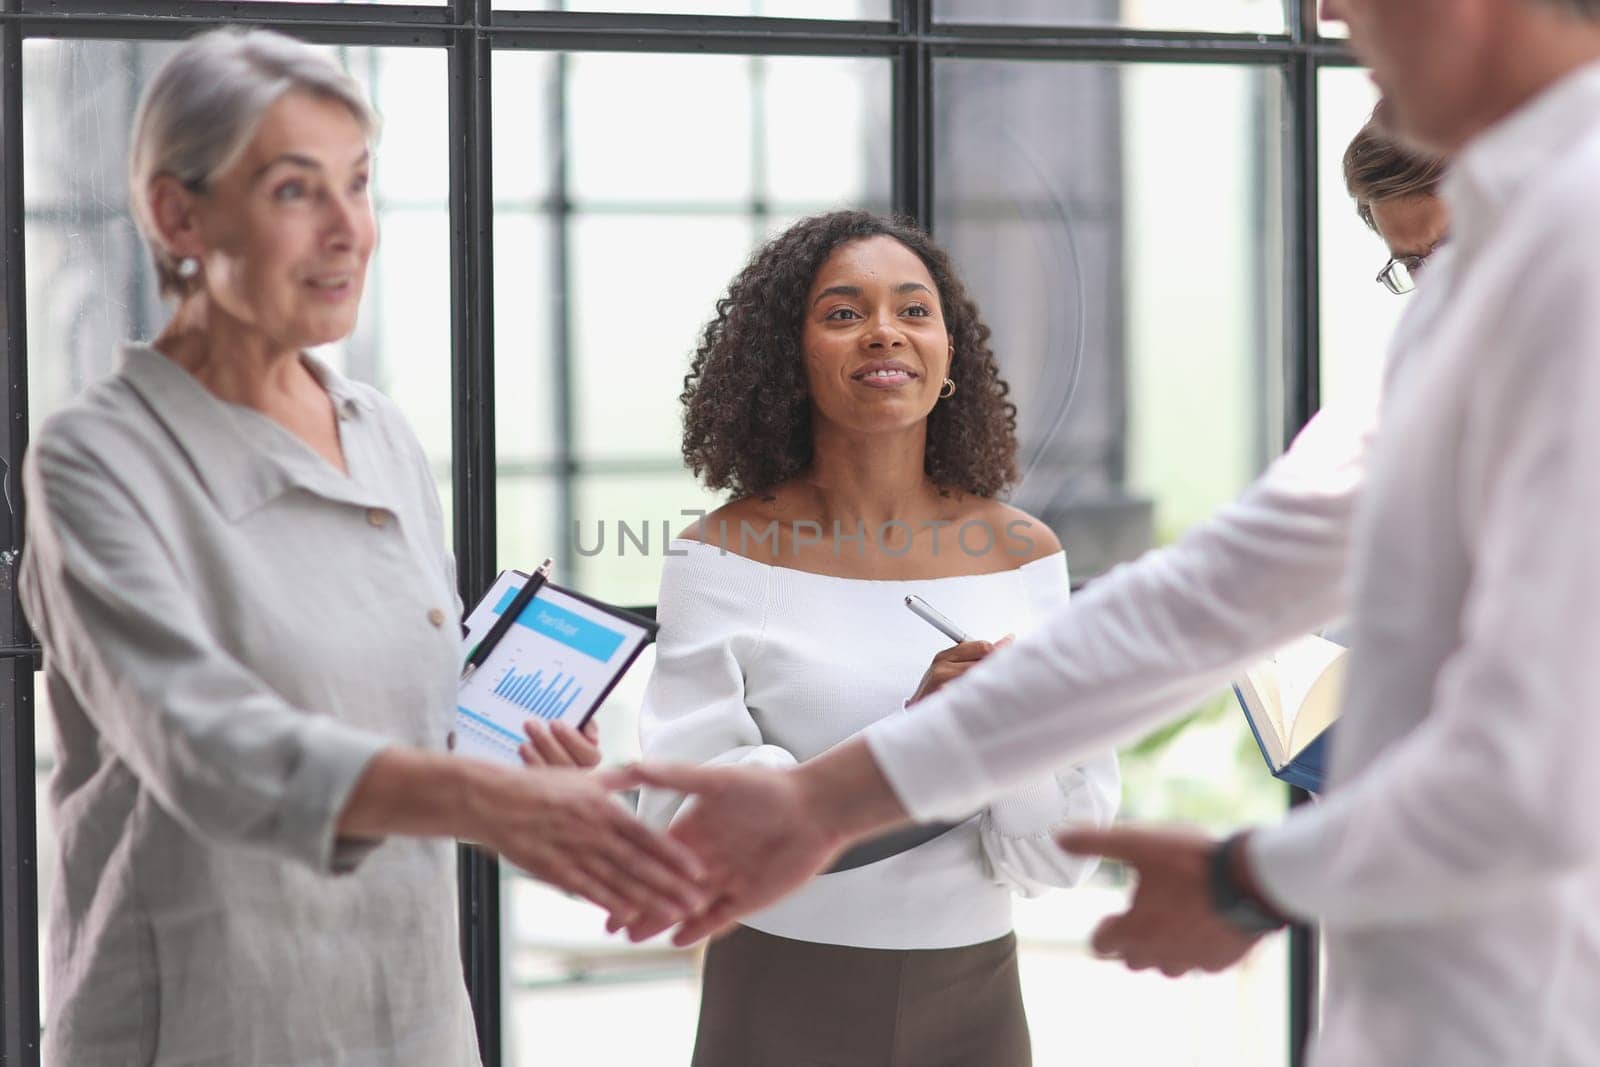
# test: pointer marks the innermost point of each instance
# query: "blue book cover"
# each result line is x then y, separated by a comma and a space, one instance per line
1290, 702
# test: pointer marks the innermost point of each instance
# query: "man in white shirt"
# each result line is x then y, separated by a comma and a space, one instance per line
1455, 865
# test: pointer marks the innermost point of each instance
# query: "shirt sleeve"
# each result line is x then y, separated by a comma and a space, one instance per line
218, 750
694, 708
1017, 831
1146, 642
1496, 788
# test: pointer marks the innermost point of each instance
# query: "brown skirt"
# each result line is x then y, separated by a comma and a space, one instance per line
769, 1001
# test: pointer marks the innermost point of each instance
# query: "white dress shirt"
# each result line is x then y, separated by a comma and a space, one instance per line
232, 629
1455, 865
771, 666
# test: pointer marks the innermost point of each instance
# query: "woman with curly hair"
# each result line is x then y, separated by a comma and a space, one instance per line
845, 395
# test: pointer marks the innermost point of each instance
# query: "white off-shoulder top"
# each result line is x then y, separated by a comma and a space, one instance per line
770, 666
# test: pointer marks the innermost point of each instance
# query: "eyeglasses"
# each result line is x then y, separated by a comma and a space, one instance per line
1399, 275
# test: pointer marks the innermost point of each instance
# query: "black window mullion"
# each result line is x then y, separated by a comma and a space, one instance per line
19, 886
472, 427
565, 385
912, 114
1302, 397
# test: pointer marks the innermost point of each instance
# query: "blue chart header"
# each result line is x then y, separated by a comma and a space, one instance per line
561, 625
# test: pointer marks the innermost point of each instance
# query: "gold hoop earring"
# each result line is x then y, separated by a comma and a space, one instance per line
949, 389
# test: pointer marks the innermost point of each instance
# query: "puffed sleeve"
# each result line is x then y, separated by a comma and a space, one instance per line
220, 751
712, 620
1018, 829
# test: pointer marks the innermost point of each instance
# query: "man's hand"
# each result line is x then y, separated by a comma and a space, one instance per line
759, 834
1171, 925
562, 826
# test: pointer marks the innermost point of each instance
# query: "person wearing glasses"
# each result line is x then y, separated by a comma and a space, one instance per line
236, 566
1396, 191
1150, 638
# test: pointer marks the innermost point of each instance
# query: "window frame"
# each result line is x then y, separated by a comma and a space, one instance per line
470, 32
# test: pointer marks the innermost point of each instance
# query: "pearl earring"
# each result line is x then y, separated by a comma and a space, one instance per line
188, 267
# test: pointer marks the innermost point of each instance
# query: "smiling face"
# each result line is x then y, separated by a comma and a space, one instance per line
284, 234
875, 342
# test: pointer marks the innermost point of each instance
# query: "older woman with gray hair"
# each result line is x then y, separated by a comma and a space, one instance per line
236, 567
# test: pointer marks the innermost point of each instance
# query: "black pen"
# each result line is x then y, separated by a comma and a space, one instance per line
503, 623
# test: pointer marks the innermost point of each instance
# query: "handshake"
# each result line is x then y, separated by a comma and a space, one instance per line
754, 835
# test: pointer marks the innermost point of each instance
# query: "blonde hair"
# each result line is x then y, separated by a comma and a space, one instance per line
200, 111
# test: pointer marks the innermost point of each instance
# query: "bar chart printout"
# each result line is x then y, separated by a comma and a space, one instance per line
555, 664
543, 699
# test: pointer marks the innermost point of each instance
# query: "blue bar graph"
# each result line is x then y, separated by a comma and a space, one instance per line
549, 700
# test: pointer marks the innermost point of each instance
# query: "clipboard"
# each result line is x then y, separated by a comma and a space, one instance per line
876, 849
558, 661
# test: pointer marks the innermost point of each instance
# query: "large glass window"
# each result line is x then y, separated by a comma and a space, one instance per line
1358, 314
1122, 224
1137, 304
1220, 16
791, 9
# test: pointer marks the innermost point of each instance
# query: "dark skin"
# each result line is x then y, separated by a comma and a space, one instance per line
873, 307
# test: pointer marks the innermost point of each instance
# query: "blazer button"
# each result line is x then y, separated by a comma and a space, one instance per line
377, 517
436, 616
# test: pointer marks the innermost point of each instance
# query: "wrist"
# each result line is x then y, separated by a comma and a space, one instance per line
846, 795
407, 791
472, 791
1236, 894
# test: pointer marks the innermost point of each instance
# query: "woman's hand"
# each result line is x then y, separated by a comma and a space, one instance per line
561, 825
564, 827
952, 663
557, 744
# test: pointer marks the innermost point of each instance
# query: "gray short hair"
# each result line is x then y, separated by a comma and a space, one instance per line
200, 111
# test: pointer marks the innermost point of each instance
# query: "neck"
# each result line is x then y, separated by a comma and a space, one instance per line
230, 358
873, 478
1535, 48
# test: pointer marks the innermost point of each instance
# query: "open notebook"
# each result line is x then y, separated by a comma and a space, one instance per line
1291, 700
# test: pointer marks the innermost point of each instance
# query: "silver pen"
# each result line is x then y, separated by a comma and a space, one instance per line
920, 608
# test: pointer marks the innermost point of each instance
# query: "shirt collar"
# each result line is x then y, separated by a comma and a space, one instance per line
243, 458
348, 400
1501, 161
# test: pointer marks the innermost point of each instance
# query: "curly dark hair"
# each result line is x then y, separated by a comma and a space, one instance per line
747, 405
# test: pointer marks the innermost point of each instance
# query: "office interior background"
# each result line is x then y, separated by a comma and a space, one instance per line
1144, 196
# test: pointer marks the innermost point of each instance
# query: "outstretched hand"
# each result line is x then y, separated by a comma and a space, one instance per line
564, 827
1171, 924
756, 833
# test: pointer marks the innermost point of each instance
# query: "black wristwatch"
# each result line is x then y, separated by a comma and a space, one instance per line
1230, 901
